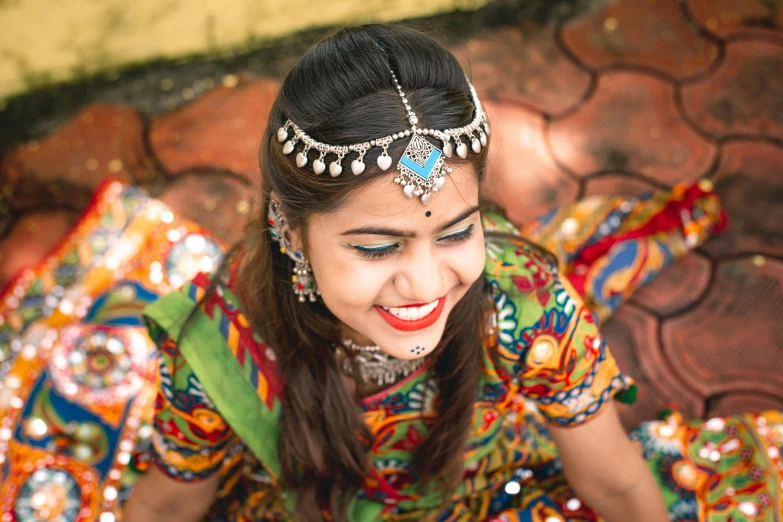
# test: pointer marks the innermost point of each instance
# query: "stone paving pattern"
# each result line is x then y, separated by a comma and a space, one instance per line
626, 97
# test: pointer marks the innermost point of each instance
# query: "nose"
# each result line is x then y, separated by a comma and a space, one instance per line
418, 276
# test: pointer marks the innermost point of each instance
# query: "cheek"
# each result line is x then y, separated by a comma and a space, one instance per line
469, 265
347, 282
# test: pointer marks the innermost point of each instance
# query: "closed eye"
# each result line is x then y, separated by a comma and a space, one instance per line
376, 252
458, 237
387, 250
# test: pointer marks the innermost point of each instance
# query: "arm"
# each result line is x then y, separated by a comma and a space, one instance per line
606, 471
159, 498
189, 443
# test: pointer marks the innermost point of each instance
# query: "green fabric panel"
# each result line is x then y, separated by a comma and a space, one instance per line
216, 367
360, 510
212, 360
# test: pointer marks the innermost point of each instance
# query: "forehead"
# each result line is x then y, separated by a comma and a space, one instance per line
383, 202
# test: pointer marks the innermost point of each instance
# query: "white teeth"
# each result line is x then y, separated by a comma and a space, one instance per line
413, 313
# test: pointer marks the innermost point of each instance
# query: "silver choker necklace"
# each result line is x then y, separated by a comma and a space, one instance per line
373, 365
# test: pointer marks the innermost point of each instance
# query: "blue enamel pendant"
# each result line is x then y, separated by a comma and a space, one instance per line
422, 169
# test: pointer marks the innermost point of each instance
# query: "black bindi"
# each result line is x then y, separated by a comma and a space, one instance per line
428, 213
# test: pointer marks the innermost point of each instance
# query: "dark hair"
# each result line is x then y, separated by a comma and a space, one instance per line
342, 92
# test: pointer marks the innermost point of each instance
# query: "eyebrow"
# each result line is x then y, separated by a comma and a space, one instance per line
382, 231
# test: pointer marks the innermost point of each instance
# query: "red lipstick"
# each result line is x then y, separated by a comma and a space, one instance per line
410, 326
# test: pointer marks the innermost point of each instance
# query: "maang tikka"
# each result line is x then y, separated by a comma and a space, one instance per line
302, 279
421, 169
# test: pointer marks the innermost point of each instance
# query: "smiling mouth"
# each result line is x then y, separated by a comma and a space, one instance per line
412, 313
409, 318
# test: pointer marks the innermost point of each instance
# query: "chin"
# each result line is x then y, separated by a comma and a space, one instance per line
413, 348
412, 345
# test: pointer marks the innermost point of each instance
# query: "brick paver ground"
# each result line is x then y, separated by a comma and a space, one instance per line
624, 97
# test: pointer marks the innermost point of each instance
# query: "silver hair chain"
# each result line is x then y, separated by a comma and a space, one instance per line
421, 169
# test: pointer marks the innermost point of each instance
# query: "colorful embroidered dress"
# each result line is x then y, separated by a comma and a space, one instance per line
542, 346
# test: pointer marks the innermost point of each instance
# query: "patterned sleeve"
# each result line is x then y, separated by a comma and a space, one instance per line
190, 438
548, 341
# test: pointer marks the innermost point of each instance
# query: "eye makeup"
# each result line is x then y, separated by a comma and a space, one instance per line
382, 251
376, 252
456, 237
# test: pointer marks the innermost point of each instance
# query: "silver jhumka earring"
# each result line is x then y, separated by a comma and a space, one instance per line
302, 280
421, 168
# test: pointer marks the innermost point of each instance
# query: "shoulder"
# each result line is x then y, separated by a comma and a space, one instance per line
530, 297
208, 321
547, 338
513, 264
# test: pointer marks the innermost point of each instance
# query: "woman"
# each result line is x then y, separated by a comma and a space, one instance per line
387, 357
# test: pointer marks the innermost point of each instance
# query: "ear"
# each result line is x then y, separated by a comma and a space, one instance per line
292, 240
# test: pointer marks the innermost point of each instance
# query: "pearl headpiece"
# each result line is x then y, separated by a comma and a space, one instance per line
421, 168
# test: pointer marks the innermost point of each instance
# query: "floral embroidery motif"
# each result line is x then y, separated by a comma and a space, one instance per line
506, 317
422, 396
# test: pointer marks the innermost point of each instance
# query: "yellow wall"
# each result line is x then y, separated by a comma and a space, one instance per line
44, 41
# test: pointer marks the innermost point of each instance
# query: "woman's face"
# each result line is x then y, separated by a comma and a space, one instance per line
392, 269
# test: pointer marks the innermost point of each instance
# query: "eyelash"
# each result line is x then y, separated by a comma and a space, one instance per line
378, 253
